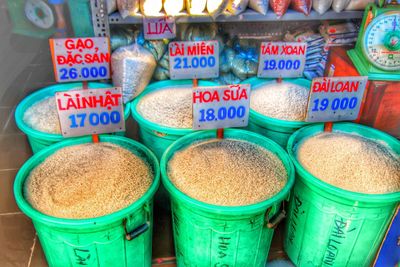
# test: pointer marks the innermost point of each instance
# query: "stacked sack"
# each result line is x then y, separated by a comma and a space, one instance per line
321, 6
317, 51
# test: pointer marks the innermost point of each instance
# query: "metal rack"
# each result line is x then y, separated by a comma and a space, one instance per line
248, 16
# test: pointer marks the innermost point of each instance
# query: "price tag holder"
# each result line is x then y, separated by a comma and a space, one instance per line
282, 59
194, 60
80, 59
335, 98
90, 111
159, 28
221, 106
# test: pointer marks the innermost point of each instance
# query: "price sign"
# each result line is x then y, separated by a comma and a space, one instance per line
282, 59
194, 60
159, 28
91, 111
335, 98
80, 59
221, 106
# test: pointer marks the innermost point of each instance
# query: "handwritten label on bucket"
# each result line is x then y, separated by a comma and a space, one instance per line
159, 28
80, 59
282, 59
91, 111
194, 60
335, 98
221, 106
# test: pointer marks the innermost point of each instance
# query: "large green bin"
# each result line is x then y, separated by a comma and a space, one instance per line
37, 139
209, 235
275, 129
329, 226
154, 136
81, 18
98, 241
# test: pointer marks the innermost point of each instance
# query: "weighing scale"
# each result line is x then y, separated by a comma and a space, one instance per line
377, 51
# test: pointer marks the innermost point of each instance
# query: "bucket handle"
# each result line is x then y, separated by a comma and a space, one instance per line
137, 231
273, 222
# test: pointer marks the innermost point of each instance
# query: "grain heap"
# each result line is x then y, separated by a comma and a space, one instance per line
43, 116
170, 107
227, 172
283, 101
351, 162
87, 181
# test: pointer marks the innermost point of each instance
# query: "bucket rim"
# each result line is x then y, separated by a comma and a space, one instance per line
347, 127
88, 223
45, 92
229, 210
255, 82
161, 85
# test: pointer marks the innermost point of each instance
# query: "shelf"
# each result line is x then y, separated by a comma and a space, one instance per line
248, 16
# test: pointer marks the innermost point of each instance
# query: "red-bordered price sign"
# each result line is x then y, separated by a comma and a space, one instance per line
80, 59
335, 98
221, 106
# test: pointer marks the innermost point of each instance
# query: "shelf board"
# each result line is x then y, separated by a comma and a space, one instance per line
248, 16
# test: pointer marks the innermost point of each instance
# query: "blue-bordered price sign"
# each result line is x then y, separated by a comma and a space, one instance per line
282, 59
335, 98
193, 60
90, 111
221, 106
80, 59
159, 28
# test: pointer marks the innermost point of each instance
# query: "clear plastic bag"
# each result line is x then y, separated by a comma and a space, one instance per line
196, 7
321, 6
217, 7
339, 5
226, 59
133, 66
358, 4
280, 6
174, 7
302, 6
199, 32
151, 7
121, 37
161, 74
128, 7
236, 7
261, 6
111, 6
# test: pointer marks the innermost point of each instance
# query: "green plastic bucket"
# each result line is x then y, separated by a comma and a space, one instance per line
155, 136
277, 130
39, 140
210, 235
100, 241
329, 226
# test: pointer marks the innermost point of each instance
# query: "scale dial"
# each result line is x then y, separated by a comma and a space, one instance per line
381, 43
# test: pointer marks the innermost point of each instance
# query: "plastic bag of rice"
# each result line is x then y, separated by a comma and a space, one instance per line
236, 7
303, 6
351, 162
128, 7
87, 181
133, 66
283, 101
151, 7
321, 6
279, 7
169, 107
261, 6
174, 7
217, 7
244, 173
111, 6
196, 7
339, 5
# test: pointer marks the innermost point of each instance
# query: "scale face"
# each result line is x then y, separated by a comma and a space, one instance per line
381, 44
377, 52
